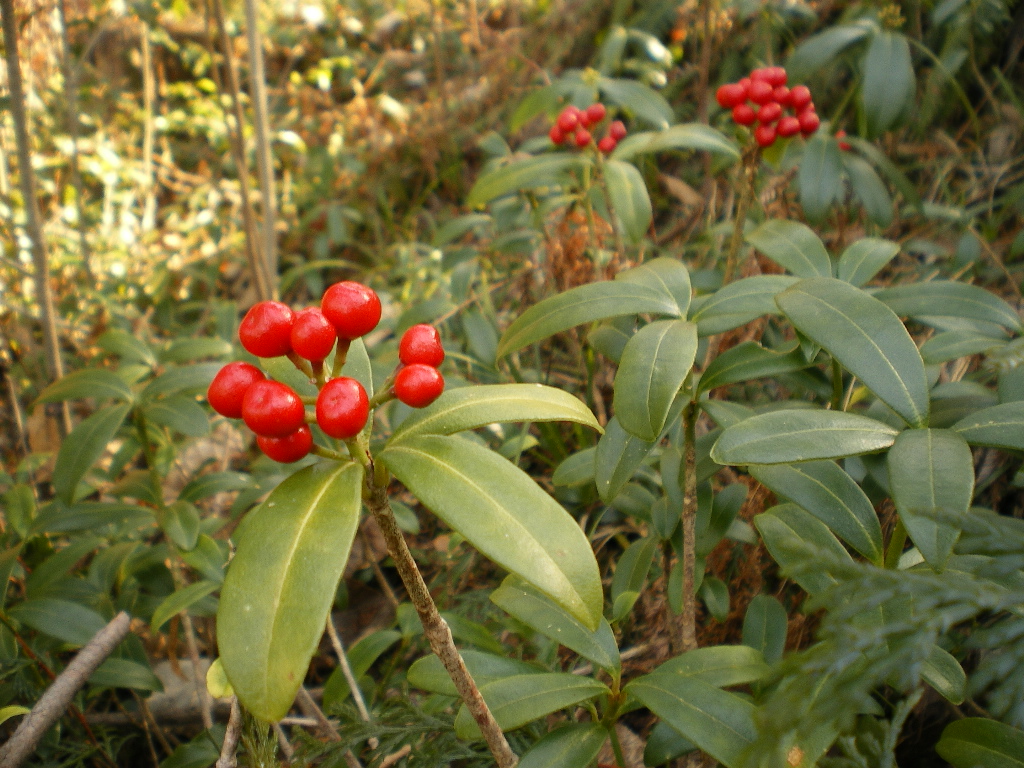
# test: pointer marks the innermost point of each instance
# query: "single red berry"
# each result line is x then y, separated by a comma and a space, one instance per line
769, 113
313, 336
843, 145
288, 448
760, 92
745, 82
595, 113
229, 387
799, 97
352, 308
788, 126
342, 408
266, 329
764, 135
568, 120
781, 95
418, 385
809, 122
272, 409
607, 145
776, 76
761, 73
556, 135
421, 344
731, 95
583, 137
617, 130
743, 114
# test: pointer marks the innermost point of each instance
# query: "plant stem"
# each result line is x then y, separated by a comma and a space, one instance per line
689, 639
747, 175
896, 543
620, 244
837, 385
434, 627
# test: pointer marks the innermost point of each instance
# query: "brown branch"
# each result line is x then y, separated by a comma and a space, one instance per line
227, 758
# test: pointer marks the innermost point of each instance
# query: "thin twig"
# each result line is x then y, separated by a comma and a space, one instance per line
310, 708
228, 749
282, 741
350, 678
689, 629
148, 131
203, 694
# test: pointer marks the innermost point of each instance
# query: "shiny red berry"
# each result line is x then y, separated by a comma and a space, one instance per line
730, 95
761, 73
607, 145
342, 408
743, 114
760, 92
421, 344
776, 76
418, 385
229, 387
568, 120
556, 135
781, 95
266, 329
764, 135
799, 97
595, 113
788, 126
617, 130
583, 137
289, 448
272, 409
769, 113
313, 336
352, 308
809, 122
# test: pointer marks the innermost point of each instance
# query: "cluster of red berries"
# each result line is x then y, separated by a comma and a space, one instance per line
762, 97
276, 412
577, 123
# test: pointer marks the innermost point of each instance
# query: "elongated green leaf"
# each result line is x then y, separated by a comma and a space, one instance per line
186, 380
6, 713
952, 345
180, 413
630, 202
832, 496
719, 722
764, 627
516, 701
718, 665
640, 99
576, 470
789, 436
571, 746
820, 176
69, 622
889, 86
291, 552
180, 601
869, 189
793, 246
665, 744
654, 365
947, 298
584, 304
931, 474
429, 674
361, 657
505, 515
127, 346
749, 360
669, 276
83, 448
792, 535
471, 407
715, 594
943, 673
976, 742
213, 483
180, 522
530, 173
864, 258
126, 673
1000, 426
695, 136
190, 350
739, 303
619, 455
865, 336
631, 570
89, 382
819, 50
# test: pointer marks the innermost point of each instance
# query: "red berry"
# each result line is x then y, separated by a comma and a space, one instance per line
799, 97
776, 76
313, 336
556, 135
743, 114
760, 92
745, 82
607, 145
229, 387
759, 74
764, 135
843, 145
418, 385
595, 113
617, 130
272, 409
288, 448
731, 95
266, 329
788, 126
809, 122
421, 344
568, 120
781, 95
583, 137
352, 308
342, 408
769, 113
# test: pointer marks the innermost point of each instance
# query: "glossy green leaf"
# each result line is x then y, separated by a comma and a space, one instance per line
948, 298
504, 514
864, 259
715, 594
789, 436
654, 365
793, 246
869, 189
976, 742
84, 447
1000, 426
429, 674
126, 673
6, 713
820, 176
764, 627
530, 173
746, 361
943, 673
179, 601
291, 552
361, 656
583, 304
832, 496
516, 701
889, 86
719, 722
632, 568
693, 136
865, 336
180, 522
643, 101
89, 382
179, 413
718, 665
576, 470
629, 199
670, 276
619, 455
69, 622
790, 534
819, 50
931, 473
738, 303
471, 407
571, 746
472, 632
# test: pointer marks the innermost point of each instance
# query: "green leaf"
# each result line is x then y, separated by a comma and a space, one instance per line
790, 533
213, 483
738, 303
863, 259
69, 622
1000, 426
429, 674
976, 742
869, 189
943, 673
643, 101
952, 345
190, 350
746, 361
865, 336
83, 448
576, 470
516, 701
820, 176
718, 665
665, 744
832, 496
583, 304
693, 136
764, 627
793, 246
471, 407
889, 86
669, 276
179, 601
180, 522
819, 50
126, 673
187, 380
948, 298
629, 199
719, 722
654, 365
543, 171
619, 455
504, 514
570, 746
931, 473
127, 346
180, 413
291, 552
788, 436
361, 657
631, 570
89, 382
6, 713
715, 594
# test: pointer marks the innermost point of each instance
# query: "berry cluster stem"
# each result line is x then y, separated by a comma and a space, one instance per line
435, 628
747, 175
